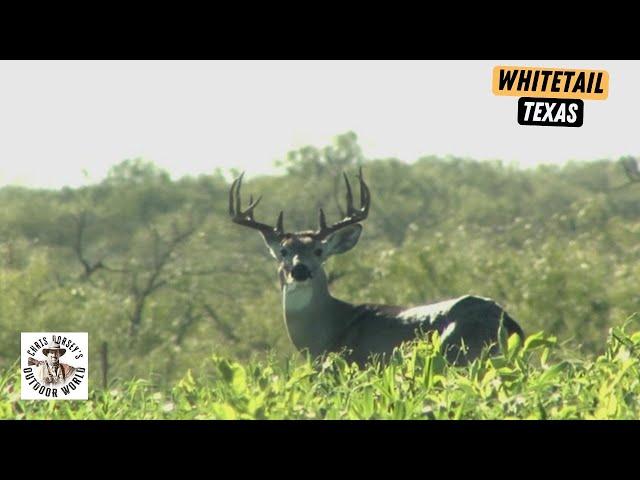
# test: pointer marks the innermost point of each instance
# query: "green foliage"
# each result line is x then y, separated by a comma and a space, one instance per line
521, 383
556, 246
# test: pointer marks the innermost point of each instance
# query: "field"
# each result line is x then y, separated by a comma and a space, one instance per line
527, 381
186, 307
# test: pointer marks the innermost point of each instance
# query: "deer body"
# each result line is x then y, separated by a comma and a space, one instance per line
319, 323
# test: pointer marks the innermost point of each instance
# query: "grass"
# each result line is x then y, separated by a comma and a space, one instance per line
536, 379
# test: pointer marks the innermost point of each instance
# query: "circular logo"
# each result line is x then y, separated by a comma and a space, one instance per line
54, 366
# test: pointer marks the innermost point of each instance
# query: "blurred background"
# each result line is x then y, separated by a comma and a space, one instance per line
115, 178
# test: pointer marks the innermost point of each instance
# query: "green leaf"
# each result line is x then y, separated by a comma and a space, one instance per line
187, 383
538, 340
224, 367
514, 344
239, 382
553, 372
503, 341
223, 411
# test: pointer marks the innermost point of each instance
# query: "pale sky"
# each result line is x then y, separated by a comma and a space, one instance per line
58, 118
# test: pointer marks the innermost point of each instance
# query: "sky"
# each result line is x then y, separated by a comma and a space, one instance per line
65, 123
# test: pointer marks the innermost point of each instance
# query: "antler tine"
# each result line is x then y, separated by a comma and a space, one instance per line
365, 194
238, 204
279, 227
246, 217
252, 205
322, 221
349, 195
232, 210
353, 215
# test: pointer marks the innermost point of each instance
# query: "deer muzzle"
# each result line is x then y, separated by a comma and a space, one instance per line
300, 272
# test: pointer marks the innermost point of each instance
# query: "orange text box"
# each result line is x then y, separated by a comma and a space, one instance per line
550, 82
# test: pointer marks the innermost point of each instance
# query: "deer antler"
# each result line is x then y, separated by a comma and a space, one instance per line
246, 217
353, 215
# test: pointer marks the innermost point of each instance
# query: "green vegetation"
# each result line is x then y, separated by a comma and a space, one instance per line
416, 384
189, 306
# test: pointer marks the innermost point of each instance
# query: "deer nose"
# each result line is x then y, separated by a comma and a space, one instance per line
300, 272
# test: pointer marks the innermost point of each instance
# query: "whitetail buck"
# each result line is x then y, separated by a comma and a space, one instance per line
320, 323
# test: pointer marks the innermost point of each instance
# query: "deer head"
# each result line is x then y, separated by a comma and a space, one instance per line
300, 255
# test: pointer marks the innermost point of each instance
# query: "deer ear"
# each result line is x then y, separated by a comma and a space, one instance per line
343, 240
272, 245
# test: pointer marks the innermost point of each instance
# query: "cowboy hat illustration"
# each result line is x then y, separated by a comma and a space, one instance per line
55, 346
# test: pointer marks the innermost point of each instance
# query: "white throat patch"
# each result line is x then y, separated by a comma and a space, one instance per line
297, 296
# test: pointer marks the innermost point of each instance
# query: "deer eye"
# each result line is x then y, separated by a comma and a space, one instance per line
318, 251
283, 252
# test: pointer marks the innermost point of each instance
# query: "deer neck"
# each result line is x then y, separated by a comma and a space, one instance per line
314, 319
